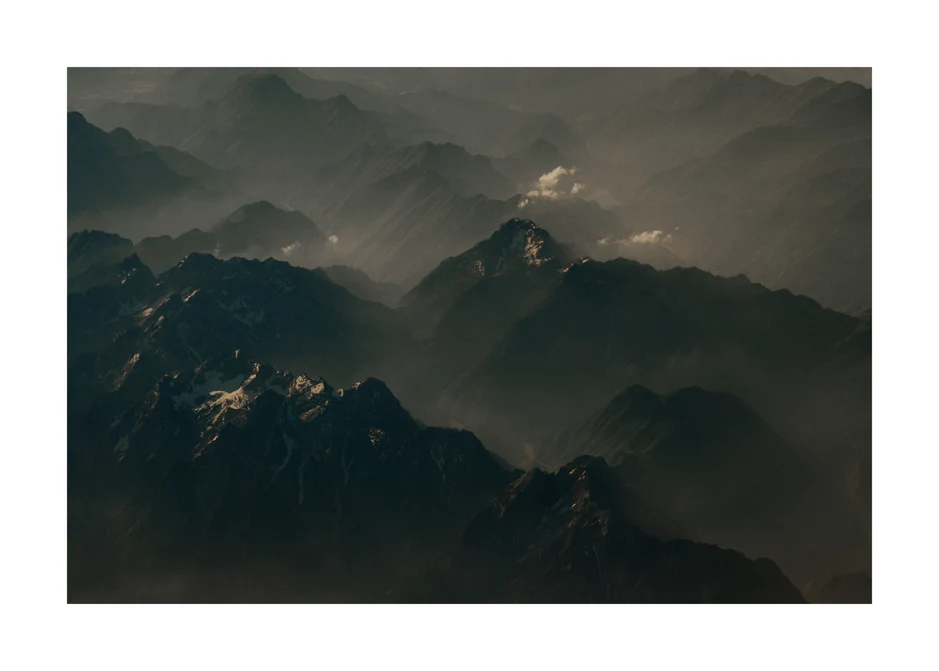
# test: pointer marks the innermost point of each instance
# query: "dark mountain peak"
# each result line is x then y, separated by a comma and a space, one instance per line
586, 478
542, 149
125, 274
729, 88
243, 274
844, 106
517, 245
341, 105
92, 241
80, 129
754, 83
517, 224
83, 132
200, 260
194, 265
741, 76
634, 421
586, 270
263, 229
230, 389
265, 88
839, 94
694, 395
132, 263
308, 396
635, 396
590, 478
817, 83
442, 151
255, 209
571, 536
95, 258
123, 140
109, 169
372, 403
371, 386
713, 410
677, 430
483, 290
521, 240
849, 89
730, 94
692, 85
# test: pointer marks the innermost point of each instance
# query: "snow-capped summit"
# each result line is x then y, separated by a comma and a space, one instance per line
517, 242
518, 249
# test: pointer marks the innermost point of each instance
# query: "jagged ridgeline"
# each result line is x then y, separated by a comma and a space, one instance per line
179, 421
516, 336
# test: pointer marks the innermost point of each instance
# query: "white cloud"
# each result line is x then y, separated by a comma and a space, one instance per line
650, 238
290, 249
333, 239
548, 186
644, 238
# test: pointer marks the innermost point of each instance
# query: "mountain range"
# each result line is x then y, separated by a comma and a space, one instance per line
129, 329
740, 173
418, 335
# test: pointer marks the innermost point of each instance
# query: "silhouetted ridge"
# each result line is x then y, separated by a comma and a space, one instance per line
266, 88
317, 476
113, 169
568, 536
342, 105
514, 267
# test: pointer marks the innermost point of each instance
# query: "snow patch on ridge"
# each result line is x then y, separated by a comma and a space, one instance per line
212, 384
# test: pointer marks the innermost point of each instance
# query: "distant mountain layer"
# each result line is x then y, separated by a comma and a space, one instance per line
466, 174
361, 285
258, 230
788, 204
108, 169
487, 127
605, 325
739, 171
639, 424
704, 465
125, 185
253, 119
399, 228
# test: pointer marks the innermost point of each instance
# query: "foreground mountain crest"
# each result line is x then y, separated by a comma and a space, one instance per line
569, 537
